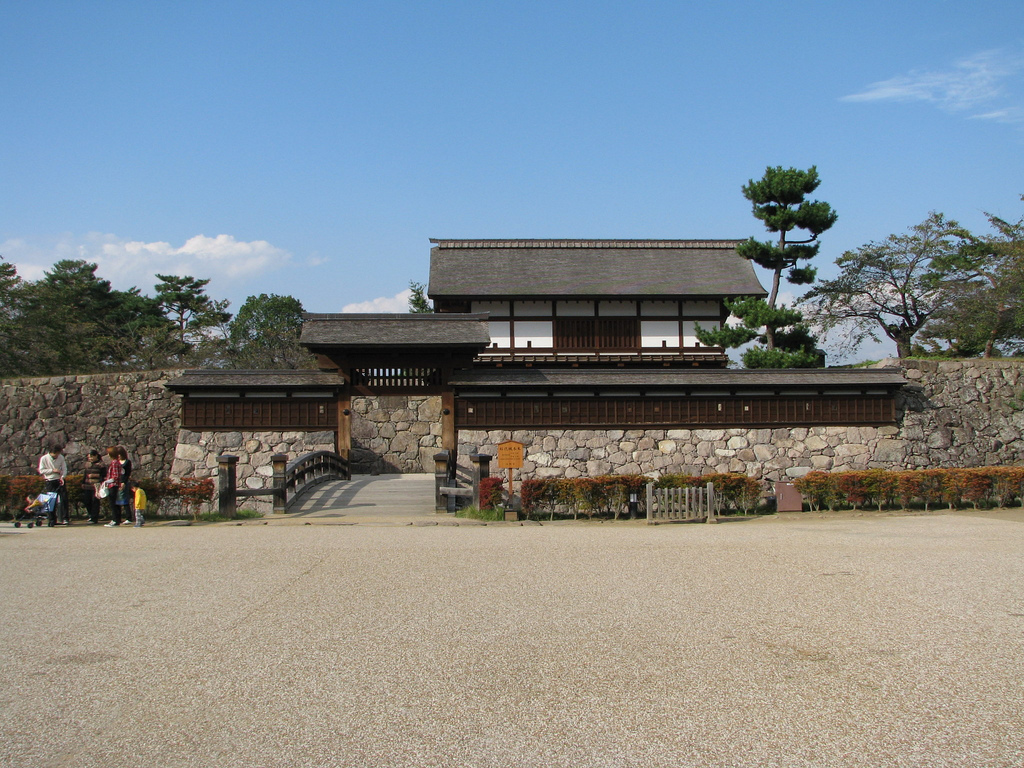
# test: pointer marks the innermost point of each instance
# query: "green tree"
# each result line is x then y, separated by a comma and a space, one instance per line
779, 199
74, 322
13, 349
141, 336
985, 283
418, 301
63, 317
894, 287
199, 320
265, 334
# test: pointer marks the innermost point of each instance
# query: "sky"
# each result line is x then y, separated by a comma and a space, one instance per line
312, 149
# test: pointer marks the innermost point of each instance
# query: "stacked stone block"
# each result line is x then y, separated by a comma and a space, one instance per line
197, 452
395, 433
952, 414
135, 410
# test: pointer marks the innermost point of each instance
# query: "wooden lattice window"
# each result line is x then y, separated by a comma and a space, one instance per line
767, 411
214, 414
593, 334
396, 377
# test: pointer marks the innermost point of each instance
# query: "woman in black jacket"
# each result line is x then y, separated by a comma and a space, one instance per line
93, 473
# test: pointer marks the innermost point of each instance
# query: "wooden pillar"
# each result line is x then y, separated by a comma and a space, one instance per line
449, 434
449, 438
227, 485
440, 481
343, 437
280, 464
481, 469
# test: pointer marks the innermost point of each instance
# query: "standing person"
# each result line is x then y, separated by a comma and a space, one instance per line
54, 469
115, 482
93, 473
129, 495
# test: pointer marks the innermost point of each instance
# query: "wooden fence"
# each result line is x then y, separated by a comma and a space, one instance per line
666, 504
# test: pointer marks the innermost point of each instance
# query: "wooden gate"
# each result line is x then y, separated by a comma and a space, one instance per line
664, 504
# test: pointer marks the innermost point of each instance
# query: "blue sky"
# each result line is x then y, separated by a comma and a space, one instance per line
312, 148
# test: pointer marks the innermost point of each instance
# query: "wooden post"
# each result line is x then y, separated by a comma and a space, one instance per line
343, 437
510, 456
440, 480
449, 436
481, 469
711, 503
280, 463
227, 485
510, 513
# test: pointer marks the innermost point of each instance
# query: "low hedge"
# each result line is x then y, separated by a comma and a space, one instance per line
185, 496
904, 489
608, 495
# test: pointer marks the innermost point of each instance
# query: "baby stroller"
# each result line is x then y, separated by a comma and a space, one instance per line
38, 510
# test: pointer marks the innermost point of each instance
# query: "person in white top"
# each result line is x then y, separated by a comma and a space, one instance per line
54, 469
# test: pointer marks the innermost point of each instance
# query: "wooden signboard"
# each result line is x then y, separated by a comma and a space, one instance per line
510, 455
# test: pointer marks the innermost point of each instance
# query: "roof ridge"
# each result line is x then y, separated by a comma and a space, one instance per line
404, 316
580, 243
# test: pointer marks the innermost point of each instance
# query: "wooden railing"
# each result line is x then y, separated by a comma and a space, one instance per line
310, 470
664, 504
289, 481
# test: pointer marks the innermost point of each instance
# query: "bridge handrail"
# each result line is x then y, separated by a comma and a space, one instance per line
291, 479
309, 470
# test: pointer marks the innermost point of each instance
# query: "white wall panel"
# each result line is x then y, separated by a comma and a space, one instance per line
499, 308
654, 332
535, 332
690, 330
501, 333
527, 308
616, 308
575, 308
659, 308
702, 308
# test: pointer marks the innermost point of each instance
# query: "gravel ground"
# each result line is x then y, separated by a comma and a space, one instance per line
884, 641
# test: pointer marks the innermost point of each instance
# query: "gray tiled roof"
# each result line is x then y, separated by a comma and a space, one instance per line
461, 269
708, 378
395, 330
263, 379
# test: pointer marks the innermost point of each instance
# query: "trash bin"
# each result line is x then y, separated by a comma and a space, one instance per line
788, 498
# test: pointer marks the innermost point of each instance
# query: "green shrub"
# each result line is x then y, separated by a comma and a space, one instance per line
474, 513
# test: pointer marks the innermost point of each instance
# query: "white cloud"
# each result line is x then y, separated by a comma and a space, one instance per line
127, 263
397, 303
970, 84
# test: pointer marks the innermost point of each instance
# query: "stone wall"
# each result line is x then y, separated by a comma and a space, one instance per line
83, 412
196, 456
961, 413
952, 414
395, 433
389, 435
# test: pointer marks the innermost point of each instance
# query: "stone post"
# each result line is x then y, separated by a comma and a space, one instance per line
481, 469
227, 485
280, 464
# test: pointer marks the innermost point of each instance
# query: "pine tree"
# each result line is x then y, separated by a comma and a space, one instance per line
779, 199
418, 302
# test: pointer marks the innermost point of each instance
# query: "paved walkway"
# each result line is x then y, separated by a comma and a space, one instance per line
887, 642
377, 499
